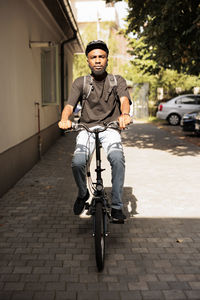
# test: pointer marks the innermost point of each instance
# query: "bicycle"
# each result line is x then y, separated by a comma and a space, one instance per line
99, 207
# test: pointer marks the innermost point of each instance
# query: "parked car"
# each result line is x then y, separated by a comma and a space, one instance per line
197, 124
174, 109
188, 121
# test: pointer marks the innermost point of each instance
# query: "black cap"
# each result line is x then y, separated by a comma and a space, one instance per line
98, 44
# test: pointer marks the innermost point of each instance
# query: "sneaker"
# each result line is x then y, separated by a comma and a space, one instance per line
80, 203
117, 214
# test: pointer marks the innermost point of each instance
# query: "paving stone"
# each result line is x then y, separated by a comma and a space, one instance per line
69, 278
22, 270
195, 285
49, 277
69, 295
148, 277
14, 286
162, 264
55, 286
128, 278
24, 295
130, 295
90, 278
29, 277
5, 295
60, 270
9, 278
72, 263
105, 295
87, 296
174, 295
179, 285
6, 270
36, 263
158, 285
44, 296
108, 278
71, 286
98, 286
167, 277
141, 286
192, 294
117, 286
41, 270
35, 286
152, 295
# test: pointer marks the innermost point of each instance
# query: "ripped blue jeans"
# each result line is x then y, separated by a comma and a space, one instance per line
111, 143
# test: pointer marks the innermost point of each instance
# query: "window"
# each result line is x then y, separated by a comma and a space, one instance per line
50, 76
187, 100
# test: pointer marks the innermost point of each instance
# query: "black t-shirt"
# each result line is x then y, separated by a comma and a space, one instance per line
98, 107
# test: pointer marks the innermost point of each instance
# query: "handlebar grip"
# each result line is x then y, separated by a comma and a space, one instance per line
74, 125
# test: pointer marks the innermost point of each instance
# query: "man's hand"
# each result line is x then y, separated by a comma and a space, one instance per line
124, 120
65, 124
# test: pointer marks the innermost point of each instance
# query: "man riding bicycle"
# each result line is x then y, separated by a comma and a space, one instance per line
104, 98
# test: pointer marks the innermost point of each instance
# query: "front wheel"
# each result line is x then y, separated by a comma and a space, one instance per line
99, 236
174, 119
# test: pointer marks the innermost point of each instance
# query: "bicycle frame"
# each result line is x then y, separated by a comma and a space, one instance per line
99, 194
99, 205
98, 170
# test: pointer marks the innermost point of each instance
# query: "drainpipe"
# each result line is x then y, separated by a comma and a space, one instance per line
39, 133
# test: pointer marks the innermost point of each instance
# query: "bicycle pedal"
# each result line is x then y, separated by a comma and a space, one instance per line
109, 215
91, 210
87, 206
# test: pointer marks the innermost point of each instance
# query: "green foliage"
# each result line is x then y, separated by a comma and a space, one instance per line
171, 29
144, 68
143, 56
80, 66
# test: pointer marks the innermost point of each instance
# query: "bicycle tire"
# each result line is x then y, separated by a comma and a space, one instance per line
99, 236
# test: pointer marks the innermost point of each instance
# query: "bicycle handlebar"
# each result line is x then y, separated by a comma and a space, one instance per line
81, 126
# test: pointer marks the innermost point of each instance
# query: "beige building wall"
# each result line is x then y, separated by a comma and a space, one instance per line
20, 74
20, 86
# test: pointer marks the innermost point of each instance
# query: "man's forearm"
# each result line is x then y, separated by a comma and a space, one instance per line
124, 119
125, 106
67, 112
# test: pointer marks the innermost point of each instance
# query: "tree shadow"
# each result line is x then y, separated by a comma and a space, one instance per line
128, 199
151, 137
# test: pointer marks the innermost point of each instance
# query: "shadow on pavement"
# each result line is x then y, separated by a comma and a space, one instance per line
129, 201
150, 137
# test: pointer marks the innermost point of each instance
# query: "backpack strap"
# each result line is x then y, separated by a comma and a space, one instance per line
87, 86
112, 86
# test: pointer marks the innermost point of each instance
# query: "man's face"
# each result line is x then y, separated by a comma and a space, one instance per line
97, 60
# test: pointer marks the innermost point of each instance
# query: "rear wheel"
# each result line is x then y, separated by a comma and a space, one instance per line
174, 119
99, 236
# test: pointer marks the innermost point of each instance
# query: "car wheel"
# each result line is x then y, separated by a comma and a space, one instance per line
174, 119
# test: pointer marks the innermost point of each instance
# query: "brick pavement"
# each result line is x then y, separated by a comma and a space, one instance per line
47, 253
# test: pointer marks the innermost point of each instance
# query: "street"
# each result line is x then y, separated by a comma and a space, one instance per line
48, 253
